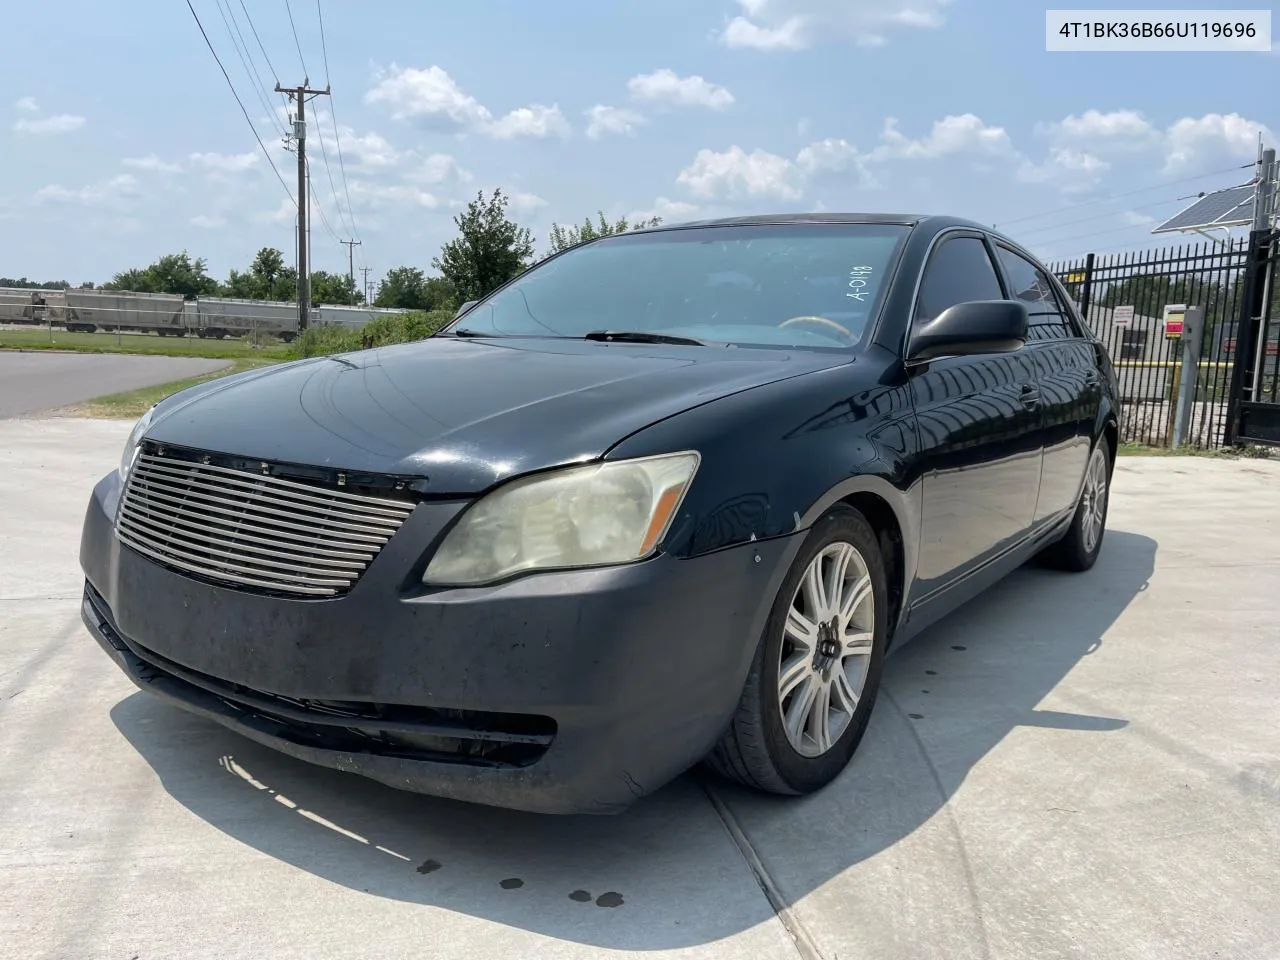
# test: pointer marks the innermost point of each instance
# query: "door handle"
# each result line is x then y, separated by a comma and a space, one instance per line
1030, 395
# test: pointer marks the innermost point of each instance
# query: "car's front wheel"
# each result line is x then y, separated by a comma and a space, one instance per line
816, 671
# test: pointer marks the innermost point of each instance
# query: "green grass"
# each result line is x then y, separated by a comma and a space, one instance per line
1228, 453
146, 344
132, 404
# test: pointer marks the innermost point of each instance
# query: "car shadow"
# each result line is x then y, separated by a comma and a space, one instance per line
666, 871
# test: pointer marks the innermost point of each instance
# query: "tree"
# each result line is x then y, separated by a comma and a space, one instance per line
562, 238
333, 288
172, 273
489, 250
25, 284
266, 279
408, 288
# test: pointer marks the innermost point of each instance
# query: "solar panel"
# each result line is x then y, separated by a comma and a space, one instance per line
1232, 207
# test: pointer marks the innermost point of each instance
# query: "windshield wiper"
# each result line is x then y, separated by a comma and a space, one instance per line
463, 332
640, 336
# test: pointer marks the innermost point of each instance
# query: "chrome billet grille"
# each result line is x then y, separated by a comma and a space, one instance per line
260, 533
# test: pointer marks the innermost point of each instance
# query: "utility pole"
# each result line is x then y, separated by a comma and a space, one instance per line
299, 96
351, 269
367, 291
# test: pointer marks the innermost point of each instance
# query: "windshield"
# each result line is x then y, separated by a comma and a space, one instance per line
729, 284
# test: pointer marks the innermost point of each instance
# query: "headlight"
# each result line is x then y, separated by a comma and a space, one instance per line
130, 453
596, 515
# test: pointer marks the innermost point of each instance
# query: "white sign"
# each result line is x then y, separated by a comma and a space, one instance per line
1122, 316
1142, 31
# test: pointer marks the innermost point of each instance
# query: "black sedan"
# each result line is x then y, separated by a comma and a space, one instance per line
667, 497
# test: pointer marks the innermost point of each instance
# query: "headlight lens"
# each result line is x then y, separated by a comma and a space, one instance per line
130, 453
605, 513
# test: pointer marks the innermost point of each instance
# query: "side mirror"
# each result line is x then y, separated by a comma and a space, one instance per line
464, 308
981, 326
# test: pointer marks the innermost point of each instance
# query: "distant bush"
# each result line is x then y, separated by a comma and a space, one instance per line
402, 328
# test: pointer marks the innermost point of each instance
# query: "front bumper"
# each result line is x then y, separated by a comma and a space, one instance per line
567, 692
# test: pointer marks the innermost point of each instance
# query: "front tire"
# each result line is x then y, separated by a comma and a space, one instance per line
1079, 547
817, 667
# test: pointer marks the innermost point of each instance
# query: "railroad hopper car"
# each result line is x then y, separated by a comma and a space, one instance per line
31, 306
353, 318
111, 310
218, 317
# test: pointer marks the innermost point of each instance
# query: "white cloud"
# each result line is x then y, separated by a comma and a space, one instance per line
439, 168
1192, 143
27, 104
951, 135
603, 121
1072, 170
285, 212
1118, 128
152, 163
433, 99
121, 187
368, 151
212, 223
791, 34
62, 123
535, 121
834, 156
668, 210
784, 25
666, 86
1132, 218
430, 96
735, 174
224, 163
1189, 144
374, 195
526, 202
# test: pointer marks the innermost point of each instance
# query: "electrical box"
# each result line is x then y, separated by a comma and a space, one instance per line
1183, 321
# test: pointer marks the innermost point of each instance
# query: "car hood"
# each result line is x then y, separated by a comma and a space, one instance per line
464, 414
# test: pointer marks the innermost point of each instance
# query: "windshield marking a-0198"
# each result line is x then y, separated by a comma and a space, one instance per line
769, 285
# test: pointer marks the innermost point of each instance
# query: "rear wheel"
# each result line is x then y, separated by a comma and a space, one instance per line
1078, 549
816, 671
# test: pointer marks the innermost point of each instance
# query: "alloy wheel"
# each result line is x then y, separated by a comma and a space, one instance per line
826, 649
1094, 501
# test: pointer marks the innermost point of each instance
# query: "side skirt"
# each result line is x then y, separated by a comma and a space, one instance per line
928, 610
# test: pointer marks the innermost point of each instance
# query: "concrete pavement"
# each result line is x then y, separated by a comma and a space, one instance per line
44, 379
1072, 766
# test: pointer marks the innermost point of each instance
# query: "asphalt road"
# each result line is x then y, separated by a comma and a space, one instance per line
44, 380
1071, 767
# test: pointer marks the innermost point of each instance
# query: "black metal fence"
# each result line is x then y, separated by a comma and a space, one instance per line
1123, 298
1254, 415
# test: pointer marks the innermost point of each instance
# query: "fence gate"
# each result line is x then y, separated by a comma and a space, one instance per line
1122, 299
1254, 415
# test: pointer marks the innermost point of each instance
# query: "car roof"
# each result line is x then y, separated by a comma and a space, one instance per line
906, 219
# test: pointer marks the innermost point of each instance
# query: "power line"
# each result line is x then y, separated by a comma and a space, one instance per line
323, 219
296, 43
250, 69
1110, 213
274, 76
1095, 233
337, 137
324, 152
1121, 196
323, 49
270, 66
227, 77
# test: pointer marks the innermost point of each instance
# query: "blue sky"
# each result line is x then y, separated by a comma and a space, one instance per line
122, 141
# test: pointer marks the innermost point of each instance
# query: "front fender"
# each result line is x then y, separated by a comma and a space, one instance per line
775, 457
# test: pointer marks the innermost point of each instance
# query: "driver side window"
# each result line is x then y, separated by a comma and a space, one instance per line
958, 271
